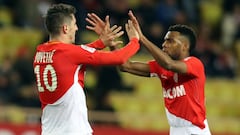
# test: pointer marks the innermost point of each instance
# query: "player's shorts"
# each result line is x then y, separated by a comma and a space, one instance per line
191, 130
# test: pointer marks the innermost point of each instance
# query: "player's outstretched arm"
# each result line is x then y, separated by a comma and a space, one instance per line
136, 68
121, 55
162, 58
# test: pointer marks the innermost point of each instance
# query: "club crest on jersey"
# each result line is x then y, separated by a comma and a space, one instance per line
174, 92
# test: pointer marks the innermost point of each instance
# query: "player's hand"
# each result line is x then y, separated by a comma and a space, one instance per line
135, 23
131, 30
108, 35
97, 24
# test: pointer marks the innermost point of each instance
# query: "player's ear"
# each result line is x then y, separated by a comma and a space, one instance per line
186, 47
186, 44
64, 29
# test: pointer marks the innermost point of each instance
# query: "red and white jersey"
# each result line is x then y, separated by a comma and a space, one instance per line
60, 70
183, 93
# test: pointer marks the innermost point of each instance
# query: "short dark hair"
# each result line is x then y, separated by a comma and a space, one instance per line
57, 14
186, 31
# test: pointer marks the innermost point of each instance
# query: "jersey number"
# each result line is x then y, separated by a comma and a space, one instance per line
44, 76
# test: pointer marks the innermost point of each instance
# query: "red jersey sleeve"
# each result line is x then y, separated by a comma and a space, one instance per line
98, 44
194, 66
87, 55
155, 68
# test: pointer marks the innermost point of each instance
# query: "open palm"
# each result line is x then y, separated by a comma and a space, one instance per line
107, 34
97, 24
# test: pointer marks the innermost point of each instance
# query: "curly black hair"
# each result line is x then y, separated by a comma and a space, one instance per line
186, 31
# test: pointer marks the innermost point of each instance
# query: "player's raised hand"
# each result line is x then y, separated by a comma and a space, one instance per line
131, 30
96, 23
109, 34
135, 23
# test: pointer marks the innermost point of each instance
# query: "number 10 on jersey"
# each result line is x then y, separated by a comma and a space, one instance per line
50, 82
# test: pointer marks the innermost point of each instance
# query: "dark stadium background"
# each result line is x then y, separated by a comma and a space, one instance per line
120, 103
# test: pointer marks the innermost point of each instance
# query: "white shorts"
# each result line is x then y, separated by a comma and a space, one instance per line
191, 130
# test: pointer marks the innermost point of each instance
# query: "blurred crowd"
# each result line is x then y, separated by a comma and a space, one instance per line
217, 25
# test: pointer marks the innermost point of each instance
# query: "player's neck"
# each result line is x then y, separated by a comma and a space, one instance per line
184, 55
58, 39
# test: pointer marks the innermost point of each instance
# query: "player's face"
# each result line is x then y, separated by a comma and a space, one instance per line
72, 29
173, 44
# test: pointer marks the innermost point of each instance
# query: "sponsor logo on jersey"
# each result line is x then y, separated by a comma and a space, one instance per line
174, 92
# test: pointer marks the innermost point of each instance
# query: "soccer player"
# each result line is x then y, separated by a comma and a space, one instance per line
182, 77
60, 65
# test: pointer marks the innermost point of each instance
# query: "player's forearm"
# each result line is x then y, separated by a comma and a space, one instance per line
135, 68
98, 44
162, 58
129, 50
119, 56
